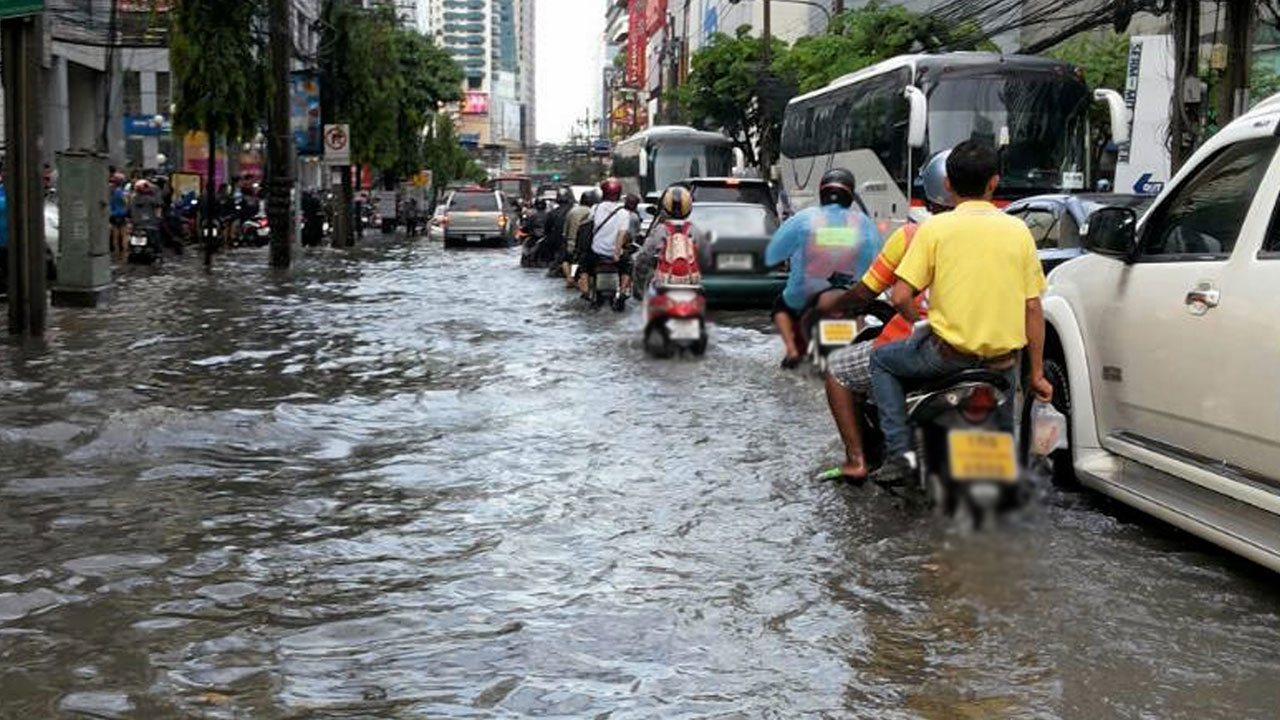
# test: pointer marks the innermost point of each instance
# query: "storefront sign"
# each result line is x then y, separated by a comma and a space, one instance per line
147, 126
655, 16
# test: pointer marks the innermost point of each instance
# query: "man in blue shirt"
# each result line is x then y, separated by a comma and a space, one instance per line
835, 238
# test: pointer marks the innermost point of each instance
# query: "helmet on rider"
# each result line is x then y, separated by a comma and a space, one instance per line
676, 202
836, 187
143, 187
933, 180
117, 179
632, 202
611, 190
590, 197
564, 196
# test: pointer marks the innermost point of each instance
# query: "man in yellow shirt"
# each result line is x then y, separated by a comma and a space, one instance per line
984, 281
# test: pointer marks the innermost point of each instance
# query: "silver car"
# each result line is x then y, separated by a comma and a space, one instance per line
478, 217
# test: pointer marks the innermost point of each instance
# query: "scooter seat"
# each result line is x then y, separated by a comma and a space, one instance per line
974, 375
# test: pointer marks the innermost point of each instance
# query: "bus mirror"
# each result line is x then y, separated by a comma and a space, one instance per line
1119, 114
739, 160
919, 115
644, 162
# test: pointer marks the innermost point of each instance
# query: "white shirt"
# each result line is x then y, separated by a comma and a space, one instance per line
607, 234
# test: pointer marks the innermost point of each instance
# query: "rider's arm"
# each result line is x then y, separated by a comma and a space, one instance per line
652, 246
786, 241
903, 298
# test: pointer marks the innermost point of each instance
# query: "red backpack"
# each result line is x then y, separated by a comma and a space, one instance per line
678, 261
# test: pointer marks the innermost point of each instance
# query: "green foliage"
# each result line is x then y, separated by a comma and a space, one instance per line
447, 159
729, 88
386, 81
1103, 56
218, 78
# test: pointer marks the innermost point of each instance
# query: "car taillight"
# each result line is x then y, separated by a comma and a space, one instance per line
979, 404
502, 221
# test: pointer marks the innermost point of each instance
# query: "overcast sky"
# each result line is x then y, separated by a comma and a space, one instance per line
570, 58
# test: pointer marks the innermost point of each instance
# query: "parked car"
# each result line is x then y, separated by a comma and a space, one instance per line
1162, 346
1058, 222
732, 190
733, 270
478, 216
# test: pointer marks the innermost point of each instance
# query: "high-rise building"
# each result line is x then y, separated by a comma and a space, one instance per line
493, 41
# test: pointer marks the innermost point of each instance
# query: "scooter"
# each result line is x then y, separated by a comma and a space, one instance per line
675, 319
144, 247
604, 284
822, 334
966, 467
255, 232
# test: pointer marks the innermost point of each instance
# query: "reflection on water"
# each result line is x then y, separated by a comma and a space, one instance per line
368, 490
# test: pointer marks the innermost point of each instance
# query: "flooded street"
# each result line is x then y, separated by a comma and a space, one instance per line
366, 490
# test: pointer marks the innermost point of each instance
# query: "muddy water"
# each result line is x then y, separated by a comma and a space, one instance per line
367, 491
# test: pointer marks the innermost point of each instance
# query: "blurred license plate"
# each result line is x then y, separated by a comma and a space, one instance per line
837, 332
977, 455
683, 329
138, 241
734, 261
473, 238
607, 282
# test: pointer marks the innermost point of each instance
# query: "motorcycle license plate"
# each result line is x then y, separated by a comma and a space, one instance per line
138, 241
473, 238
264, 232
837, 332
683, 329
980, 455
734, 261
606, 282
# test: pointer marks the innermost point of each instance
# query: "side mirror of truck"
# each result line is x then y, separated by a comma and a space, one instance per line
1113, 232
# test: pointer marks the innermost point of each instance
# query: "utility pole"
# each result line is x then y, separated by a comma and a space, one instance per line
1184, 125
23, 108
280, 200
768, 34
837, 7
1233, 94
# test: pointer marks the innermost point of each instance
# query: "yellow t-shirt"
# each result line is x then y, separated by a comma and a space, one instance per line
980, 267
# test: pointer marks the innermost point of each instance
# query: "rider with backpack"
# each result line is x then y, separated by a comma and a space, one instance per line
674, 245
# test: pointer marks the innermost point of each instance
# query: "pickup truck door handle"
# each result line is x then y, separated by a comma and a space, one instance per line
1205, 296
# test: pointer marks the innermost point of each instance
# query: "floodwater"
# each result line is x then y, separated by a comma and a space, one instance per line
405, 483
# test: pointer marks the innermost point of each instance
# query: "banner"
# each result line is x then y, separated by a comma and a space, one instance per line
636, 42
304, 112
655, 16
475, 103
195, 157
1142, 164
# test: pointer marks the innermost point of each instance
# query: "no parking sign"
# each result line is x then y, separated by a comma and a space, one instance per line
337, 144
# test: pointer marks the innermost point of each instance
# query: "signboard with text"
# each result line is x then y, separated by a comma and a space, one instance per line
636, 42
19, 8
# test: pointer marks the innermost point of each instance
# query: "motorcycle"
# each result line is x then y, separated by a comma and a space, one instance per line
314, 228
822, 334
675, 319
966, 466
604, 286
255, 232
144, 247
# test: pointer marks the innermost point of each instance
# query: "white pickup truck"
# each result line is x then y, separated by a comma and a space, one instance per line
1164, 346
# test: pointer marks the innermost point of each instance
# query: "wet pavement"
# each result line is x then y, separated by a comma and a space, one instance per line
365, 490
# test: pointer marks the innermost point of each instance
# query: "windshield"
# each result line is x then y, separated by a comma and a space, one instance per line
751, 193
514, 187
734, 220
474, 202
670, 163
1042, 116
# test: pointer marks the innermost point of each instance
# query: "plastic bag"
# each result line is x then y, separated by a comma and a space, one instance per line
1048, 429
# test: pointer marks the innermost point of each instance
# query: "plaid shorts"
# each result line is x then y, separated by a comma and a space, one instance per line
851, 367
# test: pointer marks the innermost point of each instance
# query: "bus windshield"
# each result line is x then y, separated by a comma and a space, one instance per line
1042, 116
672, 162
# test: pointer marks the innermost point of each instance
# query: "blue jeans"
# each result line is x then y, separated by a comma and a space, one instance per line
915, 358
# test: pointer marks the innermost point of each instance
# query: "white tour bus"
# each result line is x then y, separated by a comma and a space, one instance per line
883, 123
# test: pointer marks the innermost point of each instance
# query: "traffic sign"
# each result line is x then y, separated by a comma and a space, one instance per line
18, 8
337, 144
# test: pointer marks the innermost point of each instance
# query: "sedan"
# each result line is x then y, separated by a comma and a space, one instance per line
1059, 222
733, 269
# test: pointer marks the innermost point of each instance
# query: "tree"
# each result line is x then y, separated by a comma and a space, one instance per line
218, 78
428, 77
448, 161
729, 88
1103, 57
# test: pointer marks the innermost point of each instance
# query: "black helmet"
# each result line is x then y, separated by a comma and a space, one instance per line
837, 188
590, 197
564, 196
